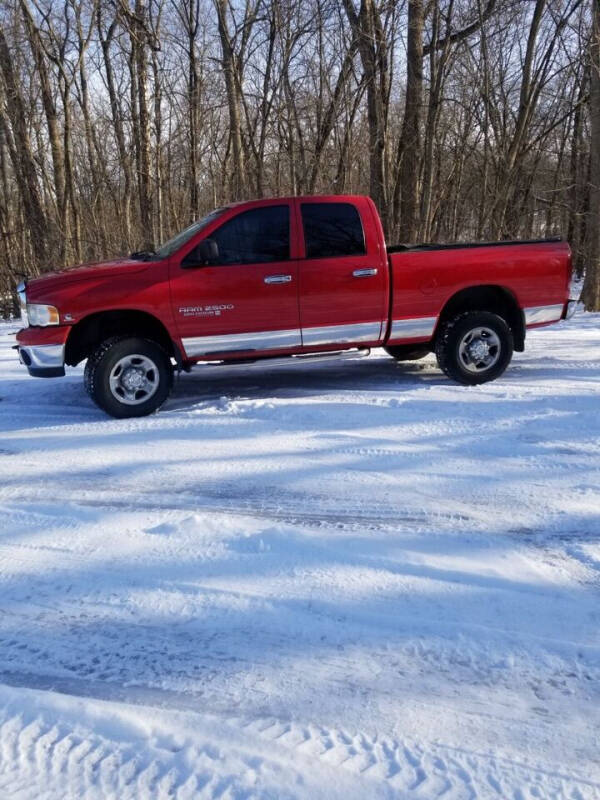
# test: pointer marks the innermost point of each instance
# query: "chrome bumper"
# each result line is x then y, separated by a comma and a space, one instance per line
43, 361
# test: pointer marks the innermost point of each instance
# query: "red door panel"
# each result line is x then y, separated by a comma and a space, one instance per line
237, 308
343, 297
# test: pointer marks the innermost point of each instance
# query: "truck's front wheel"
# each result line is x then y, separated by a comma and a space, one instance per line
128, 376
474, 347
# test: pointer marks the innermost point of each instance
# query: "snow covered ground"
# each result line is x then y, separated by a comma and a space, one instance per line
351, 580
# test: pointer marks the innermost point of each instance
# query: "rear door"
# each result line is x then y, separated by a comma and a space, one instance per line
343, 273
245, 300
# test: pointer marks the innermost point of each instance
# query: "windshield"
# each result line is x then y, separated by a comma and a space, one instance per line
170, 247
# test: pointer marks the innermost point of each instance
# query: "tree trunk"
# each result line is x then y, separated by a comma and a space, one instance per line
230, 71
368, 34
577, 191
21, 156
142, 134
158, 155
193, 104
409, 147
117, 121
54, 134
591, 287
328, 118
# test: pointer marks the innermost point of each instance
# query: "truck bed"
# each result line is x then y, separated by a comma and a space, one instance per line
404, 248
534, 274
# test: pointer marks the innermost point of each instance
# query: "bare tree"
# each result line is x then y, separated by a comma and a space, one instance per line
233, 52
369, 36
123, 120
409, 146
118, 118
16, 139
591, 289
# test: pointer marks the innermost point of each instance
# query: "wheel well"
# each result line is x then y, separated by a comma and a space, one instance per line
489, 298
88, 333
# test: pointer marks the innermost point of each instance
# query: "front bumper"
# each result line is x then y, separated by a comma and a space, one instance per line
42, 350
43, 361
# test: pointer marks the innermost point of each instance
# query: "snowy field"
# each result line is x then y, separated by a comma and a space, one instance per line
354, 580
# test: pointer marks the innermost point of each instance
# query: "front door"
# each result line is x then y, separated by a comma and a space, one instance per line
343, 274
245, 299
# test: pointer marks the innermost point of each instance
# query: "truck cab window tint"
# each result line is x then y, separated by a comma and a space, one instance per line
254, 237
332, 229
170, 247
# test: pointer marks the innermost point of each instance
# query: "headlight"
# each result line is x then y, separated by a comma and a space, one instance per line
38, 314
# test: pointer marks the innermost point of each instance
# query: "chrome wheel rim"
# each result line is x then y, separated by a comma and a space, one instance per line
134, 379
479, 349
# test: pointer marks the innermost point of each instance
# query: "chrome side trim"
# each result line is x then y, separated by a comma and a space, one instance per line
342, 334
45, 355
240, 342
417, 328
538, 314
272, 340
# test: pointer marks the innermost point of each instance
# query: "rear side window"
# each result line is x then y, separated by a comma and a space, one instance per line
332, 229
254, 237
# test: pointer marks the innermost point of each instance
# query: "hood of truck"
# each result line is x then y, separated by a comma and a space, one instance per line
51, 281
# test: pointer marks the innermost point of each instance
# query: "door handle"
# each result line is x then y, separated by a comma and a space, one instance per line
364, 273
278, 278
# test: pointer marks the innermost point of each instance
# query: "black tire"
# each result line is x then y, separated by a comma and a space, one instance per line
407, 352
452, 342
136, 402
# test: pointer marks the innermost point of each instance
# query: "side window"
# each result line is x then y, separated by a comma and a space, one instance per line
255, 236
332, 229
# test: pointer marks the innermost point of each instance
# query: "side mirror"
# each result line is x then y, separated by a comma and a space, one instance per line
206, 252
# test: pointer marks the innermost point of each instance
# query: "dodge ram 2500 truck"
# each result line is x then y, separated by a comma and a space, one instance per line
294, 277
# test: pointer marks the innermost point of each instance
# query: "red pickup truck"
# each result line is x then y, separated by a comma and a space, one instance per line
295, 277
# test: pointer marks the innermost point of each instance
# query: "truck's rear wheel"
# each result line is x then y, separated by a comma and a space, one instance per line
474, 347
128, 376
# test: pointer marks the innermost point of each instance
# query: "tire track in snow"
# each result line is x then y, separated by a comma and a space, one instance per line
372, 519
401, 520
426, 770
393, 767
46, 759
63, 748
42, 753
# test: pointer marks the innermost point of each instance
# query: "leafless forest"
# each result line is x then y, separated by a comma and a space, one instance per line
123, 120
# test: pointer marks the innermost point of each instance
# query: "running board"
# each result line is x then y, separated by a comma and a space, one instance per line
330, 355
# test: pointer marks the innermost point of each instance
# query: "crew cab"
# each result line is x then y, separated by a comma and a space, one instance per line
295, 278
